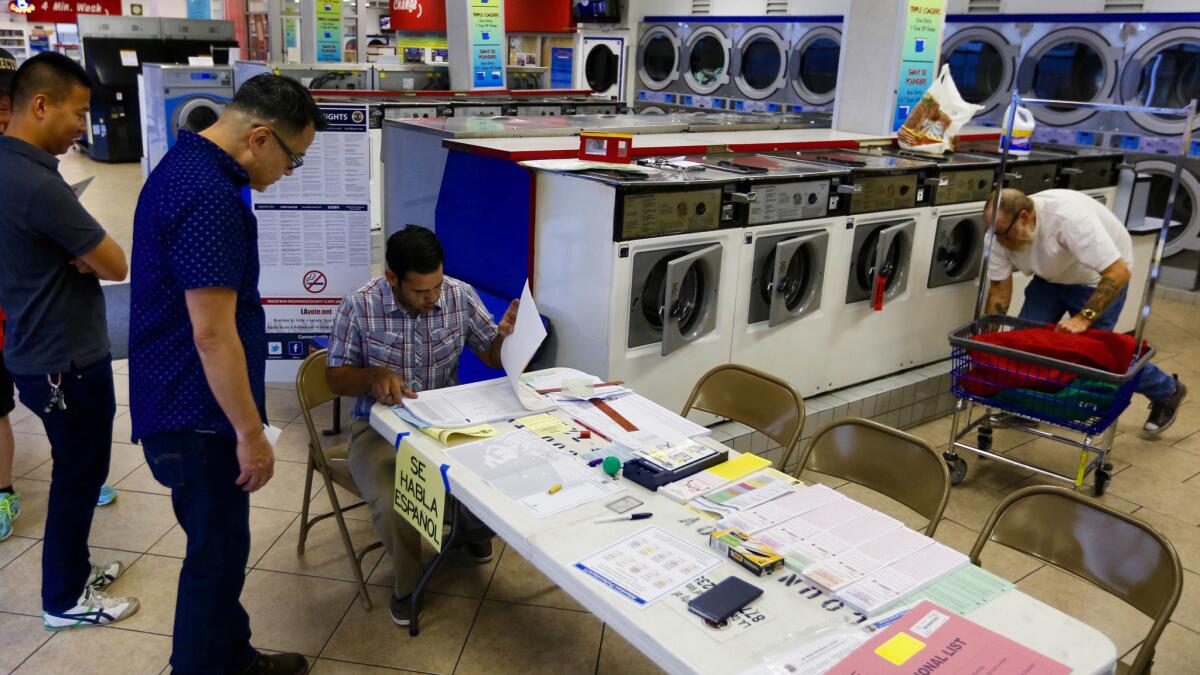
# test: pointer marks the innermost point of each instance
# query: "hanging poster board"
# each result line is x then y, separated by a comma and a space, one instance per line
923, 21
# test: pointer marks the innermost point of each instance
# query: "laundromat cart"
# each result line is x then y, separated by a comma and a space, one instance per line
987, 379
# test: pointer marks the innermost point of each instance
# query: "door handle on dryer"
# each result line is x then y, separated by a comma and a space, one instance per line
743, 197
845, 189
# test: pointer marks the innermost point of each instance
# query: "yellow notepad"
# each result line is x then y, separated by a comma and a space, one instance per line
543, 424
742, 465
477, 431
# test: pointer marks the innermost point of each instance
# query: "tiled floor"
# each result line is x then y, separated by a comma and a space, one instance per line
506, 617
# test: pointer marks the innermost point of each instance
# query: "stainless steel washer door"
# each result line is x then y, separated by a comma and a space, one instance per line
673, 297
813, 65
1164, 73
884, 250
761, 63
983, 65
1071, 64
957, 249
707, 60
1184, 235
658, 58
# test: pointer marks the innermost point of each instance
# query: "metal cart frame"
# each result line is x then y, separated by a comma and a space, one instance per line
1096, 443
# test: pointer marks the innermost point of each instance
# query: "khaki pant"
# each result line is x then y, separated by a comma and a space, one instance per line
373, 466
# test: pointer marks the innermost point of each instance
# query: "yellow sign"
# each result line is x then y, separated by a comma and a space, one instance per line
420, 494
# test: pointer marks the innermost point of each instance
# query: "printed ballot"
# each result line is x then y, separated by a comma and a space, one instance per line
930, 639
518, 349
420, 494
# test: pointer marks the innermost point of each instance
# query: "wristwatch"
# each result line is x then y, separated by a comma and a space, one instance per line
1089, 314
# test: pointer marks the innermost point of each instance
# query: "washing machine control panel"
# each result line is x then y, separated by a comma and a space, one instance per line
657, 213
797, 200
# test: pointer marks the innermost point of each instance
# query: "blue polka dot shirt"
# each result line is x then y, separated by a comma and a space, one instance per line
192, 229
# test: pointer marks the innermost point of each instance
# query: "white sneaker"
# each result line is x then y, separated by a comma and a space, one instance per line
102, 576
94, 609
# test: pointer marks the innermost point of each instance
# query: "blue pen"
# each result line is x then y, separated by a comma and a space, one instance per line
630, 516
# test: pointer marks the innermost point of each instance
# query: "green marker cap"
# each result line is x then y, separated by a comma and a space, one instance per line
612, 465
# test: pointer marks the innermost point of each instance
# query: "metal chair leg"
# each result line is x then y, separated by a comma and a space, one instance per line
304, 524
448, 543
346, 541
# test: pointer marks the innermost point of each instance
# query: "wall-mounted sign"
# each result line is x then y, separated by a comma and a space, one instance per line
562, 66
62, 11
922, 45
487, 44
418, 15
329, 31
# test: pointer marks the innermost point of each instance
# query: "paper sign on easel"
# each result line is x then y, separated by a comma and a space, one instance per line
420, 494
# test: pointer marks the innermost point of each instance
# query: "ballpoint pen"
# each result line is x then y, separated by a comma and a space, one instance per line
628, 516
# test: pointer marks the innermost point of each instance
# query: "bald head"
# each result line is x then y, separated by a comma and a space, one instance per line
1012, 203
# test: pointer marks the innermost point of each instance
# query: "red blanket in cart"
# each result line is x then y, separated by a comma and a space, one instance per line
990, 373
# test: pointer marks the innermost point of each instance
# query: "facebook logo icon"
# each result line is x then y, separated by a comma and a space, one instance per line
295, 348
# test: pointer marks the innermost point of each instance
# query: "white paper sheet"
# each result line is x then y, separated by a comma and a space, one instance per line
469, 404
518, 349
647, 565
905, 576
784, 508
857, 562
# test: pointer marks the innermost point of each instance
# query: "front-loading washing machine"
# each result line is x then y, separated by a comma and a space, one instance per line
602, 65
1074, 61
659, 49
983, 57
1161, 68
706, 65
791, 281
891, 231
179, 98
760, 64
813, 63
640, 285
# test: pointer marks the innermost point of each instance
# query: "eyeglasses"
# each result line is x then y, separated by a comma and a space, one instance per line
1011, 223
296, 161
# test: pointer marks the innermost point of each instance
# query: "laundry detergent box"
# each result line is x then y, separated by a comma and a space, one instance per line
749, 553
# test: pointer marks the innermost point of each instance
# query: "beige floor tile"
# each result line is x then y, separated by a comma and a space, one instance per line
936, 432
1186, 424
20, 636
518, 581
111, 198
1108, 498
123, 429
142, 479
1124, 625
320, 502
1140, 486
265, 527
992, 473
1160, 458
124, 460
135, 522
21, 580
1189, 444
35, 496
885, 504
458, 574
282, 406
292, 613
101, 651
1187, 613
293, 442
618, 657
1057, 457
510, 638
120, 366
31, 424
1185, 538
19, 413
331, 667
13, 547
32, 451
372, 638
121, 387
286, 488
971, 504
1177, 652
997, 559
154, 581
324, 554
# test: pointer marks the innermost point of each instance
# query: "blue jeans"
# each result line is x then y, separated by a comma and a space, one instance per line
1047, 302
80, 445
212, 629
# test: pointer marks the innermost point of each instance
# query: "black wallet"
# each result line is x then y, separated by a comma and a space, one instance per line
724, 600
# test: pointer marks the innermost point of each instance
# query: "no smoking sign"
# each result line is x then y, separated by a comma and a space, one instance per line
315, 281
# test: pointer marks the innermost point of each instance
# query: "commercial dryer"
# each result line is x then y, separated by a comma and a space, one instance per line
880, 328
813, 63
603, 65
639, 286
179, 98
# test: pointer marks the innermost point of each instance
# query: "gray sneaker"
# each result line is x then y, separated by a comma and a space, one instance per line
1164, 412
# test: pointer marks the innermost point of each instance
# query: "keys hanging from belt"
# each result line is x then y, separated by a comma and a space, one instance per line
57, 400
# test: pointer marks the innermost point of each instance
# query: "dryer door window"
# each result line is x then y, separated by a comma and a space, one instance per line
978, 70
1068, 71
814, 66
1171, 78
1184, 232
601, 68
957, 249
196, 115
763, 63
708, 61
794, 273
674, 296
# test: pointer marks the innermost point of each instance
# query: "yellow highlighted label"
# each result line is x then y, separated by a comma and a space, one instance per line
900, 648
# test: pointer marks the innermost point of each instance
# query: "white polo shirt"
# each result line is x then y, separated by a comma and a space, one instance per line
1076, 237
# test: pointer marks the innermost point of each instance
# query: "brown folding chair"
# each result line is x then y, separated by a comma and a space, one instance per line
1093, 541
759, 400
886, 460
331, 463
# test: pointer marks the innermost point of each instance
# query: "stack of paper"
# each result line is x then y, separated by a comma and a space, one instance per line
717, 477
573, 385
759, 488
797, 502
962, 591
843, 524
853, 564
634, 421
905, 576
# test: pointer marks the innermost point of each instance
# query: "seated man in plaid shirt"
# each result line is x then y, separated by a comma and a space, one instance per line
398, 335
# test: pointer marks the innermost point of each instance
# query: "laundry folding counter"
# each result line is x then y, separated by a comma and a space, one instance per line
791, 609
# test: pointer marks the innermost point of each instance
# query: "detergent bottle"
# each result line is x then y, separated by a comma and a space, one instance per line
1022, 131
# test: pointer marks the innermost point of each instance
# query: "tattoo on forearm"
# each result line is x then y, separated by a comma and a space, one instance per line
1106, 291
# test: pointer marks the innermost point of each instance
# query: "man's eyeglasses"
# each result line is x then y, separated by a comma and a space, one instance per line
296, 161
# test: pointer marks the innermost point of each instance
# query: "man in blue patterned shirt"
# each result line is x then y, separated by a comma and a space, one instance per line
198, 354
400, 334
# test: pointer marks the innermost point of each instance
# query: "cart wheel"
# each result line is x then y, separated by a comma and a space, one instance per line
985, 440
958, 469
1102, 479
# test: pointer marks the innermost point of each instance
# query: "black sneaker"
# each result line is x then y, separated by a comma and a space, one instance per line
480, 551
277, 664
401, 610
1163, 413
